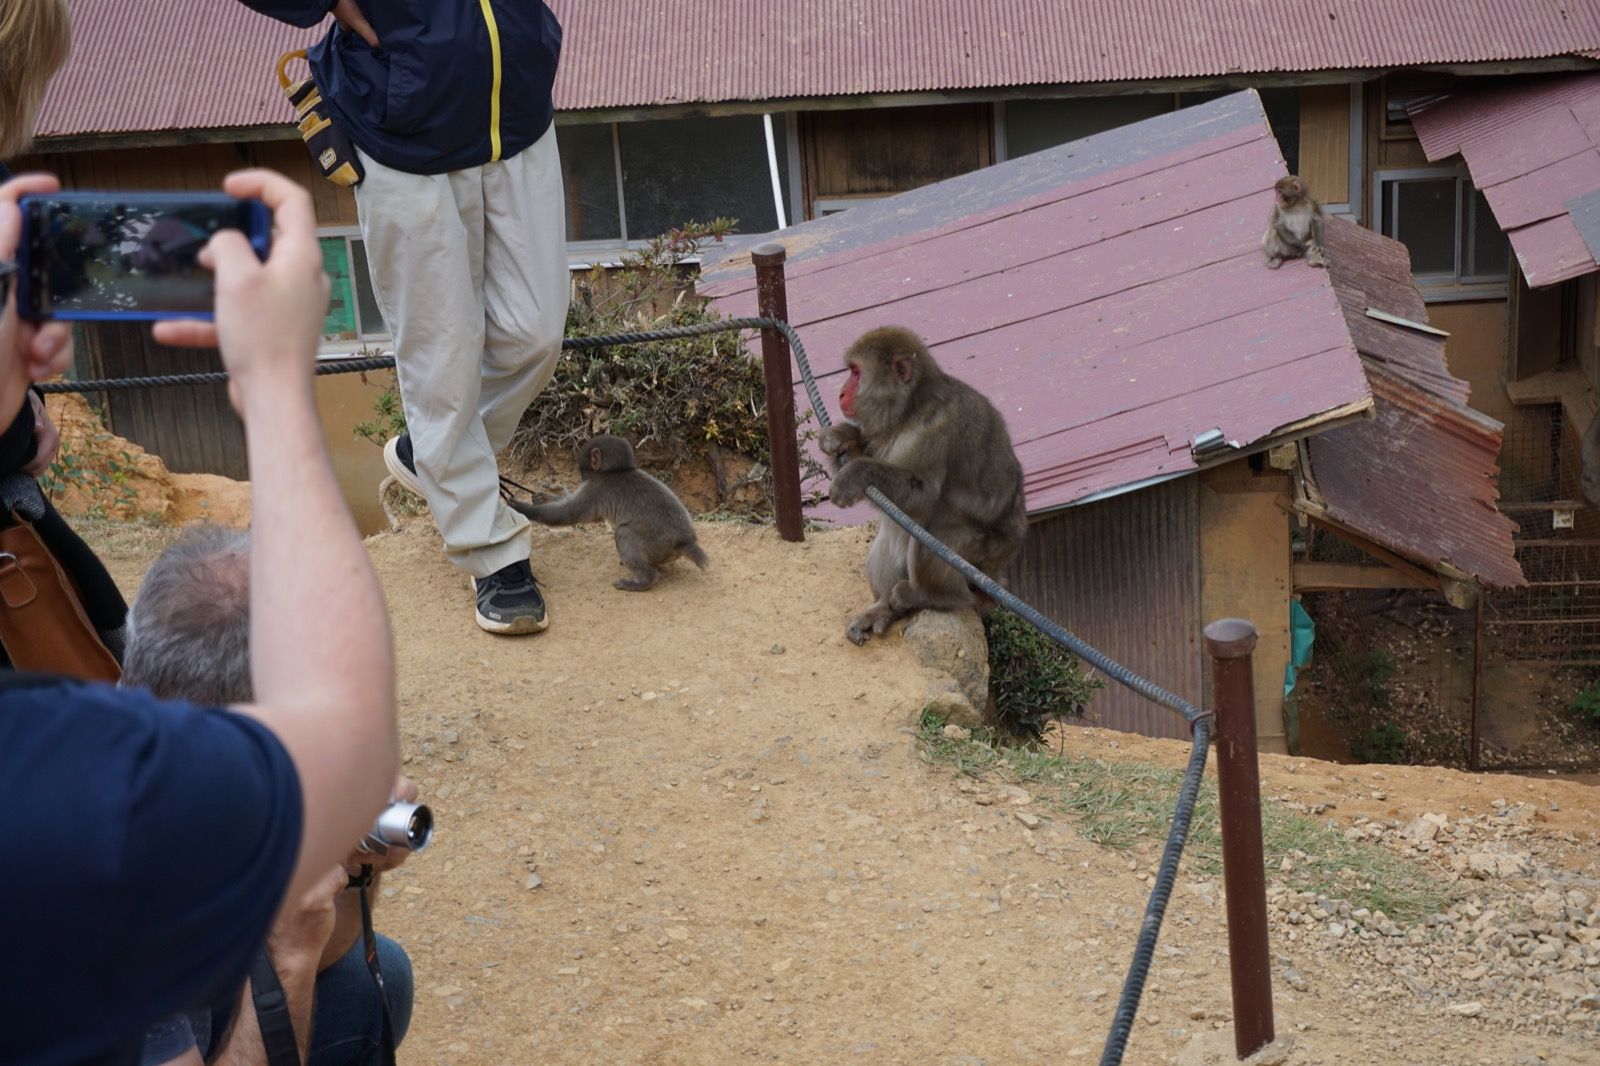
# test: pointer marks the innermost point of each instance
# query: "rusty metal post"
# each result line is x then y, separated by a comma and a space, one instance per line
1230, 642
773, 301
1477, 681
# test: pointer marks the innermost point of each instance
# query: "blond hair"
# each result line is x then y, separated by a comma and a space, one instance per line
35, 36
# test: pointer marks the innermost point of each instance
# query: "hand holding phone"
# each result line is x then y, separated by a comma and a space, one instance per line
88, 256
269, 315
28, 352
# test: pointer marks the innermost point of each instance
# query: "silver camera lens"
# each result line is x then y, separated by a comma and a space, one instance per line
400, 825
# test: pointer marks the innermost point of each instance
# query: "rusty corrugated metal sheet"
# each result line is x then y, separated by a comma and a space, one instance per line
150, 65
1534, 150
141, 65
756, 50
1124, 575
1109, 296
1421, 478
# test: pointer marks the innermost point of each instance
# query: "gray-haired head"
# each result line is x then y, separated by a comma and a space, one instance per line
189, 629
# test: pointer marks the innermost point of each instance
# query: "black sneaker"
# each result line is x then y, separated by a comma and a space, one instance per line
509, 601
398, 458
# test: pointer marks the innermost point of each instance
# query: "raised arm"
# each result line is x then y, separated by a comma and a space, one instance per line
578, 506
320, 651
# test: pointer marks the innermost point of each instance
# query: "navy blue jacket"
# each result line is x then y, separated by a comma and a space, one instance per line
454, 83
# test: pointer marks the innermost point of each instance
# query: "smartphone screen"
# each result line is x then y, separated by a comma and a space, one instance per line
126, 255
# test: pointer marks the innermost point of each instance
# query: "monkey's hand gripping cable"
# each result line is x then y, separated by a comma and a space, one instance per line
1199, 722
1199, 727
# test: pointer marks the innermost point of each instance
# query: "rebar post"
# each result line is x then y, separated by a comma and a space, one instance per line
773, 300
1230, 642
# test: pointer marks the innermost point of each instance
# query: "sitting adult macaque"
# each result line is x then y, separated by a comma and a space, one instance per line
1294, 228
938, 450
651, 524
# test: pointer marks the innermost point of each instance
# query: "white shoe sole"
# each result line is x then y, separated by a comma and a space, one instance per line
391, 459
505, 629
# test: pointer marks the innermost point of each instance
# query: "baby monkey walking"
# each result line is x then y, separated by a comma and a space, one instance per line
652, 525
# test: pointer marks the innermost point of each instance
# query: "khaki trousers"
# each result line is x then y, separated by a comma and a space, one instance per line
470, 272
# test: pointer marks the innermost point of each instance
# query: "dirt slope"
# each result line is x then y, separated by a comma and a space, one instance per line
690, 826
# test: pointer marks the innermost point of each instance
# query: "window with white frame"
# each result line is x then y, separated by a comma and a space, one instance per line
353, 315
1457, 248
629, 181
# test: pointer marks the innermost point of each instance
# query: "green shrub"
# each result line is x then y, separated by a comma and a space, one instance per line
1032, 679
673, 398
388, 419
1586, 704
1384, 742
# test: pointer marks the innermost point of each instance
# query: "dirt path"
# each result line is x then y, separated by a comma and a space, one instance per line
736, 855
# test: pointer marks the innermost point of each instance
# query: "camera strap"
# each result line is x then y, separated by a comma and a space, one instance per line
272, 1013
369, 946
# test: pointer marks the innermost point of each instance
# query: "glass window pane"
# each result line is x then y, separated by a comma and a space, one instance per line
1490, 252
1034, 125
341, 321
1424, 220
697, 169
366, 303
1283, 115
589, 174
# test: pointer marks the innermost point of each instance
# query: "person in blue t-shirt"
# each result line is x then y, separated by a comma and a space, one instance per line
151, 843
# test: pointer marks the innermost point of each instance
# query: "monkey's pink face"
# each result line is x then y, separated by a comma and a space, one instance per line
847, 395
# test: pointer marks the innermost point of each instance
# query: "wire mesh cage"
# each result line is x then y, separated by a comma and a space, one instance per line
1542, 660
1400, 675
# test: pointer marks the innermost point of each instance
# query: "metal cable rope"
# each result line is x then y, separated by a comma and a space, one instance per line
386, 362
1199, 722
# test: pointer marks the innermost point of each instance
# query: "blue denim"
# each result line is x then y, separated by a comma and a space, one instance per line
347, 1029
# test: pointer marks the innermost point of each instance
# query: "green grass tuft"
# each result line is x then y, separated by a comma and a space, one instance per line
1123, 804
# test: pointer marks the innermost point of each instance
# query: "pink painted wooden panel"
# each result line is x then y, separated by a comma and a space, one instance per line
1543, 193
1551, 251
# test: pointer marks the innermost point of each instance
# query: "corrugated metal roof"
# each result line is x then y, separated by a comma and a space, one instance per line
140, 65
1534, 149
755, 49
1109, 296
1421, 479
146, 65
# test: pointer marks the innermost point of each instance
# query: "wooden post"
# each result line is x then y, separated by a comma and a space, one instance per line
773, 302
1230, 642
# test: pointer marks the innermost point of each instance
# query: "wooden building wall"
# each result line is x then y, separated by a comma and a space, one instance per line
194, 168
192, 429
846, 153
1325, 141
1246, 563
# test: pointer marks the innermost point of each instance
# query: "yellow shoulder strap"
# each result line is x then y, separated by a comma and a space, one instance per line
283, 62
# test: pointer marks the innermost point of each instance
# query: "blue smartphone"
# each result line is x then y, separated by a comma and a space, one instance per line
94, 256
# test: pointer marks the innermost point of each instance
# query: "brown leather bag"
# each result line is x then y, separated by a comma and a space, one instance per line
42, 623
